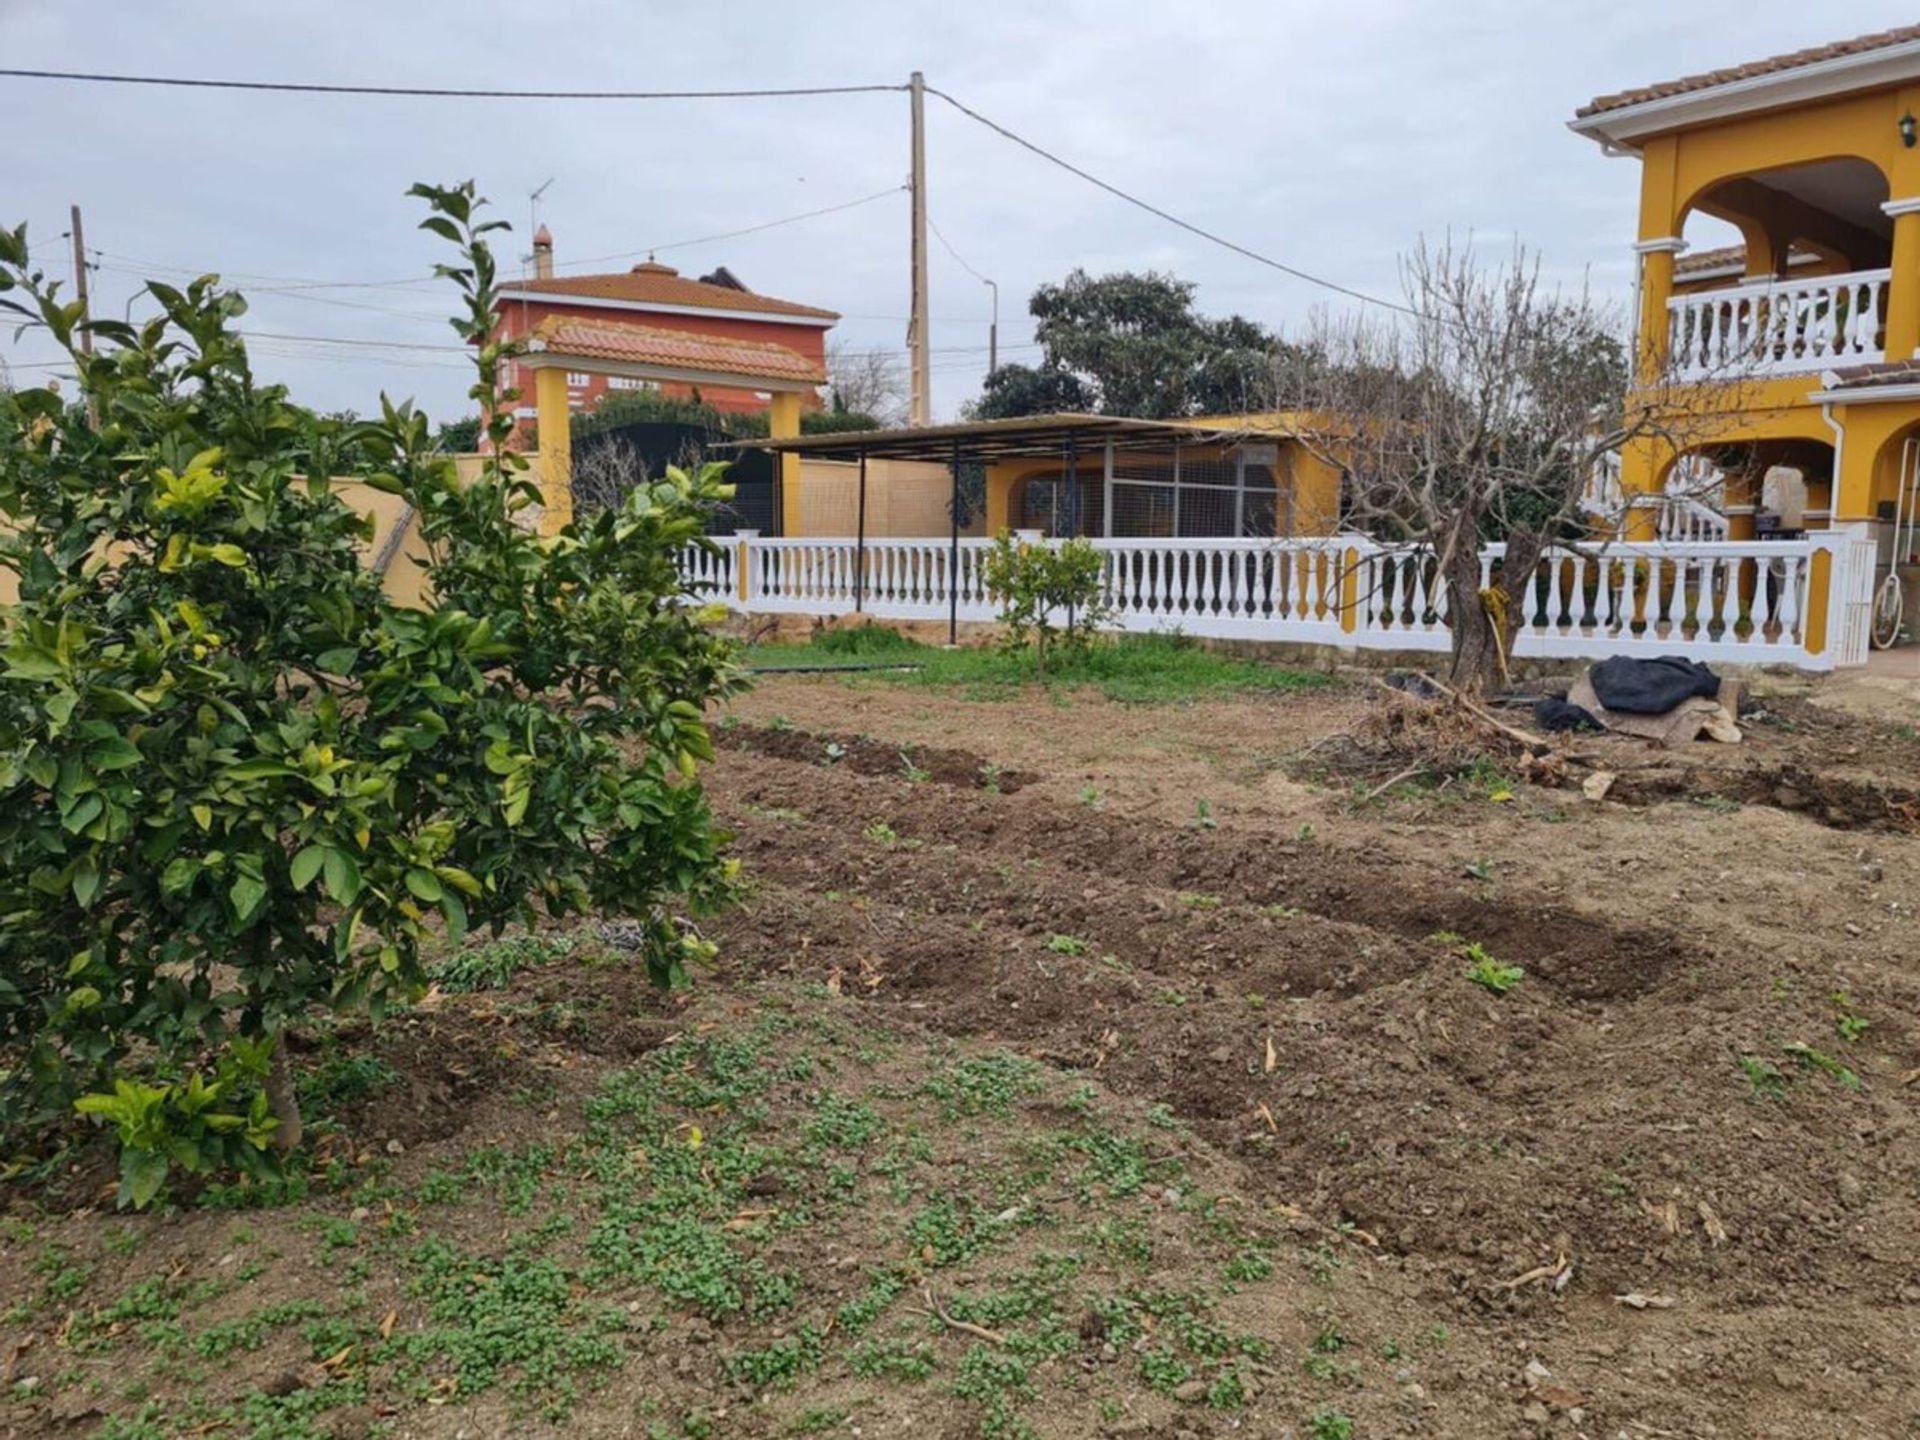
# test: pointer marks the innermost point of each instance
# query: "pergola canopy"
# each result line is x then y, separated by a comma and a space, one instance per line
1027, 436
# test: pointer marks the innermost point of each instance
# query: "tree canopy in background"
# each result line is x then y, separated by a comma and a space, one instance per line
638, 407
1133, 344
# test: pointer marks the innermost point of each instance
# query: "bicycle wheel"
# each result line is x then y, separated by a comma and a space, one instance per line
1889, 610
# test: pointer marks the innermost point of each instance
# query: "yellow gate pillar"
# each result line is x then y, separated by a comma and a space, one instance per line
1903, 291
556, 449
783, 423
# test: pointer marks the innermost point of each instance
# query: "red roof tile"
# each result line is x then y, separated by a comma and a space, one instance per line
654, 284
1877, 373
1753, 69
1695, 261
674, 349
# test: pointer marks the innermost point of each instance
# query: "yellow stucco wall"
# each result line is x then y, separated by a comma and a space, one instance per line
406, 577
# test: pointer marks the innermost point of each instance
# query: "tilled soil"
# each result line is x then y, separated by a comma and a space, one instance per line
1277, 982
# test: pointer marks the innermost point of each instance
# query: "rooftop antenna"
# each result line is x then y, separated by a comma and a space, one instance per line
533, 213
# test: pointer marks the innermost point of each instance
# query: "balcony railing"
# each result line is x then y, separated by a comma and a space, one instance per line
1778, 327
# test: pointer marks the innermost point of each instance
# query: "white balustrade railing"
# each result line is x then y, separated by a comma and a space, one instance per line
708, 570
1732, 601
1778, 327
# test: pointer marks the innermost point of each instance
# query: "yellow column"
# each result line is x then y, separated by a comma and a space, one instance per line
556, 449
1643, 466
1813, 627
1656, 288
1903, 291
783, 423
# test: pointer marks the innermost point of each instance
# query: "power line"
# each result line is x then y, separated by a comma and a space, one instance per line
1167, 215
291, 284
947, 245
441, 92
749, 230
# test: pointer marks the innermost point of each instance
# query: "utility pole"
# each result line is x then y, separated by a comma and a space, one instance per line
993, 331
920, 408
86, 314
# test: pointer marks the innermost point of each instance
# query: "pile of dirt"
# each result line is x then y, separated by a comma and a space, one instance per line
865, 755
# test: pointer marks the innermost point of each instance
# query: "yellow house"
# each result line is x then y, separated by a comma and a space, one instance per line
1794, 348
1104, 476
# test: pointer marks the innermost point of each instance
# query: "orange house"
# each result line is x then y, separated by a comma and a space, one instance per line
652, 297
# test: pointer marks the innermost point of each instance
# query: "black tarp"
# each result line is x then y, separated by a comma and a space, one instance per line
1651, 687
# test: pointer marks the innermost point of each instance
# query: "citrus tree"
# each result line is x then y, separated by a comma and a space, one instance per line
1049, 594
239, 786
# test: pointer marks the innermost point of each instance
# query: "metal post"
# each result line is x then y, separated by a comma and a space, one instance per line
1073, 503
860, 544
1073, 486
953, 553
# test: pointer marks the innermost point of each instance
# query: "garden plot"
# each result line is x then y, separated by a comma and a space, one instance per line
1083, 1069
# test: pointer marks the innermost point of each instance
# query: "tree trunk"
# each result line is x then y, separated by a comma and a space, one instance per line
284, 1098
1476, 660
1524, 546
1483, 637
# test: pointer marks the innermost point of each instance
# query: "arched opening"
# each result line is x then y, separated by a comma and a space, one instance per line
1802, 281
1775, 488
1819, 218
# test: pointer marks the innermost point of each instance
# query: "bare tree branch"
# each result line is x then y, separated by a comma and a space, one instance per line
1484, 414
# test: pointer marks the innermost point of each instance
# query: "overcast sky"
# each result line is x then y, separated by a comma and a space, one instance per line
1328, 135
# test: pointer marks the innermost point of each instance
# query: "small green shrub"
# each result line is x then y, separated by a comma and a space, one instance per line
1047, 591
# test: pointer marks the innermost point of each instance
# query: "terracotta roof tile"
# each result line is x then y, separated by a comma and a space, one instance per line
674, 349
1753, 69
653, 284
1694, 261
1880, 372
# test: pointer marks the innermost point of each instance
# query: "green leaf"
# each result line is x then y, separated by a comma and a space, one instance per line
455, 912
343, 877
459, 879
425, 885
142, 1173
228, 553
258, 770
84, 812
179, 875
307, 864
87, 883
116, 753
248, 893
33, 662
337, 662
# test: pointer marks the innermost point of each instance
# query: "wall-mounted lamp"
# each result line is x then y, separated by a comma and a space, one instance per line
1907, 130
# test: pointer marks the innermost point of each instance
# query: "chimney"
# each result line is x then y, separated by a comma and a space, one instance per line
543, 254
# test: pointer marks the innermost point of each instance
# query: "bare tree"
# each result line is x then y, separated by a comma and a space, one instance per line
866, 382
602, 473
1483, 412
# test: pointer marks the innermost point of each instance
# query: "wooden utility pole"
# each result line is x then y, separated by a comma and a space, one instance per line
920, 407
86, 313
